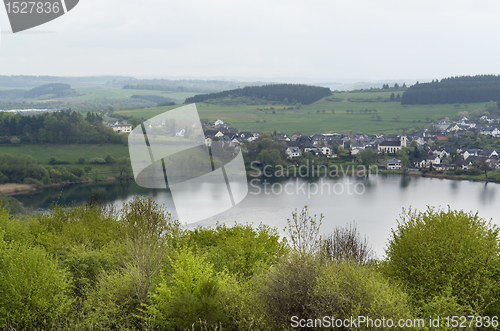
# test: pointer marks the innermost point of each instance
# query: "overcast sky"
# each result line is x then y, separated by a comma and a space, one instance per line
325, 40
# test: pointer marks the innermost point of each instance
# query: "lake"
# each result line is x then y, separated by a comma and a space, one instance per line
373, 203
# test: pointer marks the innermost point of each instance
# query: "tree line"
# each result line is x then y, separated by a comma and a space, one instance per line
60, 127
152, 98
94, 267
463, 89
304, 94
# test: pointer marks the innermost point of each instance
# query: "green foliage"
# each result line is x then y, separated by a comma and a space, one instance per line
192, 293
242, 250
150, 232
110, 159
14, 169
57, 128
33, 289
112, 304
11, 204
367, 157
53, 160
308, 287
348, 289
449, 254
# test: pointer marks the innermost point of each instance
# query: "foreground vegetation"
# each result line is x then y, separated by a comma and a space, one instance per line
96, 268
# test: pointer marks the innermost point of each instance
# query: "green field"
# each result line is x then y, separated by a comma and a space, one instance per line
70, 153
308, 121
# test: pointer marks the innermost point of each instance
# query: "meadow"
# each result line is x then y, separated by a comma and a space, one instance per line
70, 153
310, 119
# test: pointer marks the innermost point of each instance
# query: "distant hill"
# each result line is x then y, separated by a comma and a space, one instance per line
293, 93
59, 89
25, 81
464, 89
183, 85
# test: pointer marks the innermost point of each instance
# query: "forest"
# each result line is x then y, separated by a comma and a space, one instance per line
463, 89
97, 267
286, 93
60, 127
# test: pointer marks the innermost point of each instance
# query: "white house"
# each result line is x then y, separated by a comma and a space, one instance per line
122, 128
356, 150
433, 160
393, 164
218, 122
293, 152
326, 150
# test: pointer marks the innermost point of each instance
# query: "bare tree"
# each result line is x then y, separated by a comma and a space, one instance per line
303, 232
346, 243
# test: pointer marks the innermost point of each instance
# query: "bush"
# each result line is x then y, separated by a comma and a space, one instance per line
446, 254
251, 249
110, 159
76, 171
97, 160
53, 160
310, 287
81, 160
346, 244
191, 294
33, 289
347, 289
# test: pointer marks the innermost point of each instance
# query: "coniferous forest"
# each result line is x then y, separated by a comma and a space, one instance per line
463, 89
304, 94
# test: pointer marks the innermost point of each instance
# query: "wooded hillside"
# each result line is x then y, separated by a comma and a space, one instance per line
293, 93
464, 89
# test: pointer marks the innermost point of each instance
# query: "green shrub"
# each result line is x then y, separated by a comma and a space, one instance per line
112, 305
447, 254
250, 250
33, 290
310, 287
191, 294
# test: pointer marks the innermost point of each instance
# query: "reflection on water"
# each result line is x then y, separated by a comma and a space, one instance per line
375, 209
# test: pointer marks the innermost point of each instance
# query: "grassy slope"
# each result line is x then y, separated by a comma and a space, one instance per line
69, 153
307, 121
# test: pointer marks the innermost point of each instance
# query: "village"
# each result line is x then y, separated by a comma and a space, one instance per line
430, 143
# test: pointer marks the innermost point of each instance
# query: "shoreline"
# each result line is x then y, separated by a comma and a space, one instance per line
13, 189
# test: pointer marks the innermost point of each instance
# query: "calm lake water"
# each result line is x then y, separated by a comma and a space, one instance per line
374, 203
